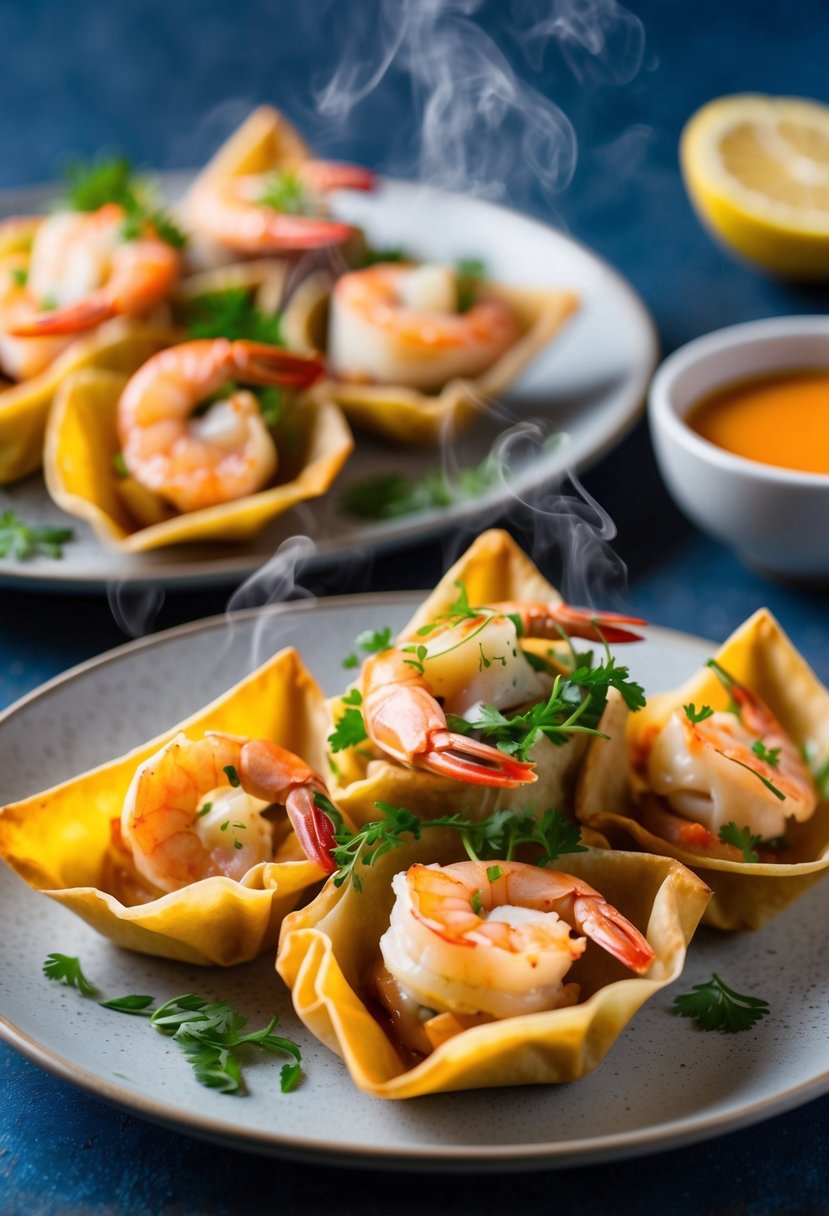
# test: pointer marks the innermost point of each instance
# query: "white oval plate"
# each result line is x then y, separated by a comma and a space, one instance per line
664, 1083
589, 384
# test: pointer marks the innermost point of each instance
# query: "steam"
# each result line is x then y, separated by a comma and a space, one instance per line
135, 608
469, 109
483, 130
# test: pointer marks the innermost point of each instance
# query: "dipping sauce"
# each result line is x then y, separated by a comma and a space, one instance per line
781, 419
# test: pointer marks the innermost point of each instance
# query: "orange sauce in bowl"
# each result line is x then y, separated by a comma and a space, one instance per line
781, 419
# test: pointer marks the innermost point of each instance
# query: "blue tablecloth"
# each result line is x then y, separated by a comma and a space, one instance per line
164, 82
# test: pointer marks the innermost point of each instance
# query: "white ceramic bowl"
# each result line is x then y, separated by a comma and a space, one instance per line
776, 519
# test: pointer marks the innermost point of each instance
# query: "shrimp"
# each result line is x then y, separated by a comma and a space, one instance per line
22, 358
82, 272
225, 453
738, 766
275, 213
459, 666
395, 324
497, 938
195, 809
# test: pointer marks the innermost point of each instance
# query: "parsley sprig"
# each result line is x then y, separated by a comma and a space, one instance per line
19, 540
231, 314
470, 273
742, 839
768, 756
350, 729
90, 185
497, 837
284, 192
715, 1006
574, 706
390, 495
66, 969
210, 1033
370, 641
93, 184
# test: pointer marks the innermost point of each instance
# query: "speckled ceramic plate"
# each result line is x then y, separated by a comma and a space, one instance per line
588, 385
663, 1083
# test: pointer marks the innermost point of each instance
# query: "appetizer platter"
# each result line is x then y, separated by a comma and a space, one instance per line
488, 752
346, 442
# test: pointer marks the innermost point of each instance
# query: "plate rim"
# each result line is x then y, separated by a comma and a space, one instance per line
458, 1159
222, 570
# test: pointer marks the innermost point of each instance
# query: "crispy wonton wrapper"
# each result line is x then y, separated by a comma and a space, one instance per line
81, 443
407, 415
59, 841
327, 948
121, 345
494, 568
761, 656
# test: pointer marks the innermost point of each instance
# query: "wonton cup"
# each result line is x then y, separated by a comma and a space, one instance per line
494, 568
121, 345
407, 415
759, 655
82, 440
58, 841
327, 948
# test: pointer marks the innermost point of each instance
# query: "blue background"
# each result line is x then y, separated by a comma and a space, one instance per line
165, 82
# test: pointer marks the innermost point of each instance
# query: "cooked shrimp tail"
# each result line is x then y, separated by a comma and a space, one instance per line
322, 176
550, 620
266, 364
271, 772
606, 926
405, 720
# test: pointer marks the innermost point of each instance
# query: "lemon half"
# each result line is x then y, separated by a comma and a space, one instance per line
757, 171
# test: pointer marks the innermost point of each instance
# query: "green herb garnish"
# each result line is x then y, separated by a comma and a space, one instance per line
371, 256
376, 838
66, 969
19, 276
567, 710
139, 1006
119, 465
209, 1033
140, 216
697, 715
475, 903
284, 192
19, 540
231, 314
715, 1006
470, 272
350, 729
93, 184
769, 755
370, 641
496, 837
742, 839
232, 776
390, 495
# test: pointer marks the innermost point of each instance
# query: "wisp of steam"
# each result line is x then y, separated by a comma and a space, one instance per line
456, 94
